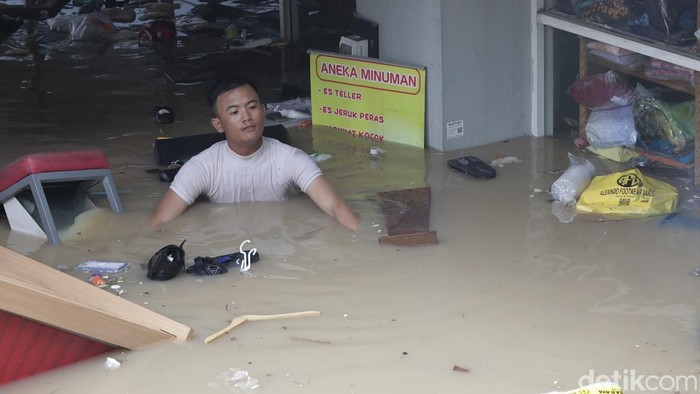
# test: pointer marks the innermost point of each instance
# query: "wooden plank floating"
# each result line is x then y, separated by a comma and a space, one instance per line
407, 215
43, 294
422, 238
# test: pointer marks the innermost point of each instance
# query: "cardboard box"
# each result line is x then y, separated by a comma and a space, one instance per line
354, 45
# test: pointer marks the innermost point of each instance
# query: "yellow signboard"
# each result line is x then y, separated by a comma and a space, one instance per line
367, 98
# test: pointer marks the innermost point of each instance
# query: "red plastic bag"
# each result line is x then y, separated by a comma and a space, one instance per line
159, 30
602, 91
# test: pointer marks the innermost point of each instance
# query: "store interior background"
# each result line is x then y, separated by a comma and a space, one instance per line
566, 72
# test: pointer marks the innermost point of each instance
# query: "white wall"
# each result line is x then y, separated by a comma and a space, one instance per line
409, 33
478, 57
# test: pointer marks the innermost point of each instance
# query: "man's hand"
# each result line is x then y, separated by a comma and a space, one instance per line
322, 193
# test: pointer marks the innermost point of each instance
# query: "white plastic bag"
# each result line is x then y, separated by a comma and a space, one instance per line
573, 181
91, 26
60, 23
611, 127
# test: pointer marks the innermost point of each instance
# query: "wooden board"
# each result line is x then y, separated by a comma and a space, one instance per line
422, 238
407, 215
37, 292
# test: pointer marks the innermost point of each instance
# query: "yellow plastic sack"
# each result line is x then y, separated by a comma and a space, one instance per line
595, 388
620, 154
626, 195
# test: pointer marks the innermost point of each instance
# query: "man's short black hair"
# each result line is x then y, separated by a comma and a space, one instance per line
225, 84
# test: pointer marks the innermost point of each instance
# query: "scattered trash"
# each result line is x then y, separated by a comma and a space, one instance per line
102, 267
682, 220
166, 263
293, 114
374, 157
83, 27
231, 32
695, 272
504, 160
120, 14
250, 43
168, 175
158, 30
234, 378
112, 364
97, 280
219, 265
564, 212
457, 368
160, 7
63, 267
237, 321
123, 35
304, 123
573, 181
581, 141
299, 104
88, 6
375, 150
311, 340
596, 388
472, 165
320, 157
16, 52
245, 264
164, 114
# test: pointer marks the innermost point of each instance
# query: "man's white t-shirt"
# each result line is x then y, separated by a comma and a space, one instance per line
273, 173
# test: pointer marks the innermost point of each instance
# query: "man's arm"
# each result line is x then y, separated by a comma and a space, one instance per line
170, 207
322, 193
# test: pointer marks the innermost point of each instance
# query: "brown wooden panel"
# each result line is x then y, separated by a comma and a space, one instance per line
407, 216
424, 238
406, 211
37, 292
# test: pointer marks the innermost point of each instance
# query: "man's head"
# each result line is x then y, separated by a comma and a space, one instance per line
238, 113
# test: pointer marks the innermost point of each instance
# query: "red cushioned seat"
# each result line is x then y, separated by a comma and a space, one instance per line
36, 163
32, 170
28, 348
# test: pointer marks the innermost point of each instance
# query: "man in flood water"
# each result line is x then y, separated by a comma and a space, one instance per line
247, 166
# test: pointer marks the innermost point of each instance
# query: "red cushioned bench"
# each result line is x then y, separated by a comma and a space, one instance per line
34, 170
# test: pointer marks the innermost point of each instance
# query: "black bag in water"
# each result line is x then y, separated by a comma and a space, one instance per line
167, 262
219, 264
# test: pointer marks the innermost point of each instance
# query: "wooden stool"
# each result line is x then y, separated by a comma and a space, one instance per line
36, 170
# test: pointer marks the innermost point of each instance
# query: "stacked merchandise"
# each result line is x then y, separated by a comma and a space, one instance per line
617, 55
659, 69
626, 121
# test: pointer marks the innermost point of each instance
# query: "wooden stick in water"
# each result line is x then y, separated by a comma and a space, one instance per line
242, 319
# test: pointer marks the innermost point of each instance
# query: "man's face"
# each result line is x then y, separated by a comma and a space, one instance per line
241, 117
